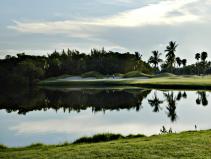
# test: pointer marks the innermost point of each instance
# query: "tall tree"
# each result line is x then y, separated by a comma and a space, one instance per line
155, 58
171, 49
197, 56
30, 71
179, 61
184, 62
204, 56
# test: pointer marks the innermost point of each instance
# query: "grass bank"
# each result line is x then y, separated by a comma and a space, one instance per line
183, 145
159, 82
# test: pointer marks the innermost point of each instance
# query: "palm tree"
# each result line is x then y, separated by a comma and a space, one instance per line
197, 56
179, 61
171, 49
155, 102
155, 59
204, 56
184, 62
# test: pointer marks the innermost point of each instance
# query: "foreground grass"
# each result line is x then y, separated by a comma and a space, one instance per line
162, 82
183, 145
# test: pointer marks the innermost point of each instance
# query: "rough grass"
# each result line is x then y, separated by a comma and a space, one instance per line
172, 82
192, 144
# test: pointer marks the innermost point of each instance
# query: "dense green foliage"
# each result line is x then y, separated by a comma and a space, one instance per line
192, 144
25, 69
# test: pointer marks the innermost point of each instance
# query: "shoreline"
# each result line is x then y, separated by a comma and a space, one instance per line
173, 145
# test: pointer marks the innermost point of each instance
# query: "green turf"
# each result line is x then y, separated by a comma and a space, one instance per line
170, 82
136, 74
92, 74
196, 145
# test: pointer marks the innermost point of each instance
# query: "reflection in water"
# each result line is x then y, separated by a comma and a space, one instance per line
73, 100
34, 115
155, 103
171, 105
202, 98
69, 100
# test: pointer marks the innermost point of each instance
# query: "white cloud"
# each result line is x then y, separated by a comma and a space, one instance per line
154, 14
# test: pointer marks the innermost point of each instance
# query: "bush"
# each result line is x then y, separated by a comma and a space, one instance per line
135, 136
35, 145
99, 138
2, 147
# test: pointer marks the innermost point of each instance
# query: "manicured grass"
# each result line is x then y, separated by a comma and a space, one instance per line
136, 74
196, 145
169, 82
92, 74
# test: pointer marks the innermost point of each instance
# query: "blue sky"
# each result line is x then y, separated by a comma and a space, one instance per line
41, 26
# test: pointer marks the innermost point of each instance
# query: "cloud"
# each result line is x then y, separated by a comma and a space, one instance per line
128, 26
162, 13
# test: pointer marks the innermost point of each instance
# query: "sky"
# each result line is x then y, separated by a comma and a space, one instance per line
41, 26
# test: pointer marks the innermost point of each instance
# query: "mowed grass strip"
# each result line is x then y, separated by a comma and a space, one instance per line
174, 82
183, 145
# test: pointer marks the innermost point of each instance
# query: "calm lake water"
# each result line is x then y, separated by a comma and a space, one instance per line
56, 115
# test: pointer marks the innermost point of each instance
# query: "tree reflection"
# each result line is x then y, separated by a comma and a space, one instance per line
181, 95
202, 98
155, 103
171, 106
25, 101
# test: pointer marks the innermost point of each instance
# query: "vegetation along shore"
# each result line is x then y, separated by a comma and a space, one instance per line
191, 144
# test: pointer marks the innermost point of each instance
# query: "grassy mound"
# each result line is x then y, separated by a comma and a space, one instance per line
165, 75
136, 74
92, 74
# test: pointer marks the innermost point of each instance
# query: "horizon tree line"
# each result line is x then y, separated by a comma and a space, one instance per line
169, 65
28, 69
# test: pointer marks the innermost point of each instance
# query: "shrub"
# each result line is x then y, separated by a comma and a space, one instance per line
99, 138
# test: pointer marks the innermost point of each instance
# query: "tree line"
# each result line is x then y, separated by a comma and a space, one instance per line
177, 65
28, 69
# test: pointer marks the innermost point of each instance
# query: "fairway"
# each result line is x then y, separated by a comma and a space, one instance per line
163, 82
